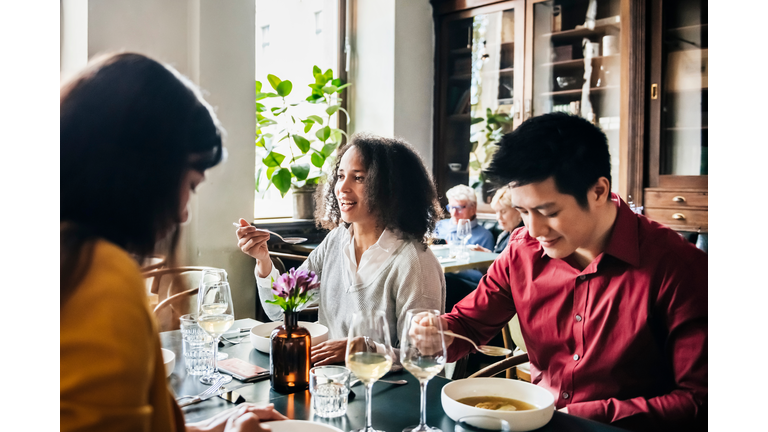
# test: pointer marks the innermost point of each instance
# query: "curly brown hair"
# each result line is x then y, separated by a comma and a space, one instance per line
398, 188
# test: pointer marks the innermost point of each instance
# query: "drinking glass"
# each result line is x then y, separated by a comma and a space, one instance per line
215, 315
329, 386
464, 232
424, 357
369, 354
197, 346
215, 275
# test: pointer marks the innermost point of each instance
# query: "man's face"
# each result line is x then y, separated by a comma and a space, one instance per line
461, 209
554, 219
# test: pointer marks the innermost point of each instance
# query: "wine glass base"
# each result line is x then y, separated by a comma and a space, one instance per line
210, 379
419, 428
365, 430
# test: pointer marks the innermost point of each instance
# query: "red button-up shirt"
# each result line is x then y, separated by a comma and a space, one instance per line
623, 341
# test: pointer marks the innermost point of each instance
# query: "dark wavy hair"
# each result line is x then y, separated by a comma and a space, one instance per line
566, 147
398, 188
130, 128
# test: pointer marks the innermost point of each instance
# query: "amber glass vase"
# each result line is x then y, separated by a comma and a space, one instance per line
289, 356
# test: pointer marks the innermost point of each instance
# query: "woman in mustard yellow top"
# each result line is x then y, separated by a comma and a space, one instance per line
136, 138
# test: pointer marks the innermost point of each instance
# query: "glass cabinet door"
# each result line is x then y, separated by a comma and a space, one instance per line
683, 89
573, 64
482, 56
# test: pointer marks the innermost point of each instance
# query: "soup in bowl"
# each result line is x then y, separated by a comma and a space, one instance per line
523, 405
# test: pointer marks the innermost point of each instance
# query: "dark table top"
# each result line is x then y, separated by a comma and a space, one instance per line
393, 407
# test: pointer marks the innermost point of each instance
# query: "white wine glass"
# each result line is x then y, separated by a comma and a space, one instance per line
215, 315
369, 354
215, 275
424, 356
464, 232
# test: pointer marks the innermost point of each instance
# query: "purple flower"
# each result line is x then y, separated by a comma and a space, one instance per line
294, 286
306, 280
285, 285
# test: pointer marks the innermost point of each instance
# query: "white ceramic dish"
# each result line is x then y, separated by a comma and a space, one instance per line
169, 359
300, 425
519, 421
260, 334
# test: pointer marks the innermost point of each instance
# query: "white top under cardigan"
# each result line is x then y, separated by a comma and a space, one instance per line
409, 277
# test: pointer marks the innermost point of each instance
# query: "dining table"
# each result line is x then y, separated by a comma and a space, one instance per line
393, 407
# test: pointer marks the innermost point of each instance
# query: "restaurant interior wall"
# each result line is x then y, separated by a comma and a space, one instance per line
197, 37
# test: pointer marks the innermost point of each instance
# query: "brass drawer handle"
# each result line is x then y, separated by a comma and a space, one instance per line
678, 216
679, 199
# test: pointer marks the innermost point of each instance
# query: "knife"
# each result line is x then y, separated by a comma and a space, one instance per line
232, 396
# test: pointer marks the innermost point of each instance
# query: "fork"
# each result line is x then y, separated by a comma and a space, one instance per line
485, 349
210, 391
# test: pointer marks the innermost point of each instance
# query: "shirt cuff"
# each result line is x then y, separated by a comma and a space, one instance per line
267, 281
593, 410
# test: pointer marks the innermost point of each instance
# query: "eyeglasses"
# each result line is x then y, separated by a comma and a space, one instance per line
450, 207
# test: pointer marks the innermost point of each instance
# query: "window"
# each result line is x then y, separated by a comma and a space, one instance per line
299, 34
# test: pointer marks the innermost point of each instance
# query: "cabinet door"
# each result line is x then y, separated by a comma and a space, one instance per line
573, 64
678, 94
480, 80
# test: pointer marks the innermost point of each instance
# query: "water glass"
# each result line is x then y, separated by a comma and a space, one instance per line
329, 386
197, 347
481, 424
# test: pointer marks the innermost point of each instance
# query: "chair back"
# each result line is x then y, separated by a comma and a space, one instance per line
168, 311
153, 262
513, 340
167, 282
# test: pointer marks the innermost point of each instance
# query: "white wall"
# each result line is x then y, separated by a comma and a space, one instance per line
74, 36
211, 42
392, 70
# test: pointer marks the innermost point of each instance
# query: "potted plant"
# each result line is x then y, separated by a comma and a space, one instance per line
294, 139
484, 146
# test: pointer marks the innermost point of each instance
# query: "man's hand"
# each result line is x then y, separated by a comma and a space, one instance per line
478, 248
423, 331
245, 417
329, 352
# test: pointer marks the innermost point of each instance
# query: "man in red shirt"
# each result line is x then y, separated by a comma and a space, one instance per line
612, 306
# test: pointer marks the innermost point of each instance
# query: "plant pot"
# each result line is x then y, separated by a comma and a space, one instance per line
304, 202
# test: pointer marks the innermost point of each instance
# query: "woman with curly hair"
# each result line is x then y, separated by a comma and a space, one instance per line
381, 206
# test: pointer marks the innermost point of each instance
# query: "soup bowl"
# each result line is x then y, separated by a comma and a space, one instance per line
260, 334
507, 388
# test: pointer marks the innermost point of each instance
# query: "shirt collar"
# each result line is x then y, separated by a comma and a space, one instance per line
386, 241
624, 243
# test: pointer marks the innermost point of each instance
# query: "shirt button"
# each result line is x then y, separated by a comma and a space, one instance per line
582, 277
566, 395
578, 318
575, 356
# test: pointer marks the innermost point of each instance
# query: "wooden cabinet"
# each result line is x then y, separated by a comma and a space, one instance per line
678, 122
524, 58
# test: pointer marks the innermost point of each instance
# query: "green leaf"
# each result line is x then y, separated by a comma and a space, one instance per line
260, 141
328, 75
302, 143
476, 120
331, 89
316, 119
274, 81
342, 87
258, 87
316, 70
284, 88
314, 98
273, 159
337, 82
488, 112
323, 133
301, 171
307, 125
282, 180
258, 176
474, 165
313, 180
328, 150
277, 110
260, 107
332, 109
271, 170
317, 159
266, 122
336, 136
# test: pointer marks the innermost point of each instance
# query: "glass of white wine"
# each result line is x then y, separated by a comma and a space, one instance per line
369, 354
422, 355
214, 275
215, 315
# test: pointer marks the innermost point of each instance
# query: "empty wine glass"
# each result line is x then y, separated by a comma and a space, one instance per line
369, 354
464, 232
215, 315
423, 356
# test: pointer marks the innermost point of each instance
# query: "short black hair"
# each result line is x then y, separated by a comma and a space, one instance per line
398, 188
566, 147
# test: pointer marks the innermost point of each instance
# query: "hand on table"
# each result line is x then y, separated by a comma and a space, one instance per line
329, 352
478, 248
423, 330
246, 417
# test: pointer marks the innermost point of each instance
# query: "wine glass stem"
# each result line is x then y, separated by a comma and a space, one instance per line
215, 356
368, 388
423, 420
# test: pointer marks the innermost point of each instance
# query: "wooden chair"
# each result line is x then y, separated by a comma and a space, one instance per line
168, 311
166, 282
153, 263
513, 339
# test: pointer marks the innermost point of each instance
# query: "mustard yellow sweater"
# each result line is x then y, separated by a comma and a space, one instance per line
112, 373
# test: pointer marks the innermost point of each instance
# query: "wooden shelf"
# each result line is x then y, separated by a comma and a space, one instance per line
687, 128
506, 70
459, 117
691, 28
578, 62
577, 91
581, 32
461, 52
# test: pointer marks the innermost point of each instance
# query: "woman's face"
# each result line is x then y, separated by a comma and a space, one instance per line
189, 183
350, 188
508, 217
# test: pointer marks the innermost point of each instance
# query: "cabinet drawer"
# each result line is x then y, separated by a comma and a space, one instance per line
679, 219
675, 199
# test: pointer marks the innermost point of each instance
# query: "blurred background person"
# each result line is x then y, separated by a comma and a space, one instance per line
507, 217
136, 140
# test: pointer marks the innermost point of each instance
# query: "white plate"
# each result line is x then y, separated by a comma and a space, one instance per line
300, 425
